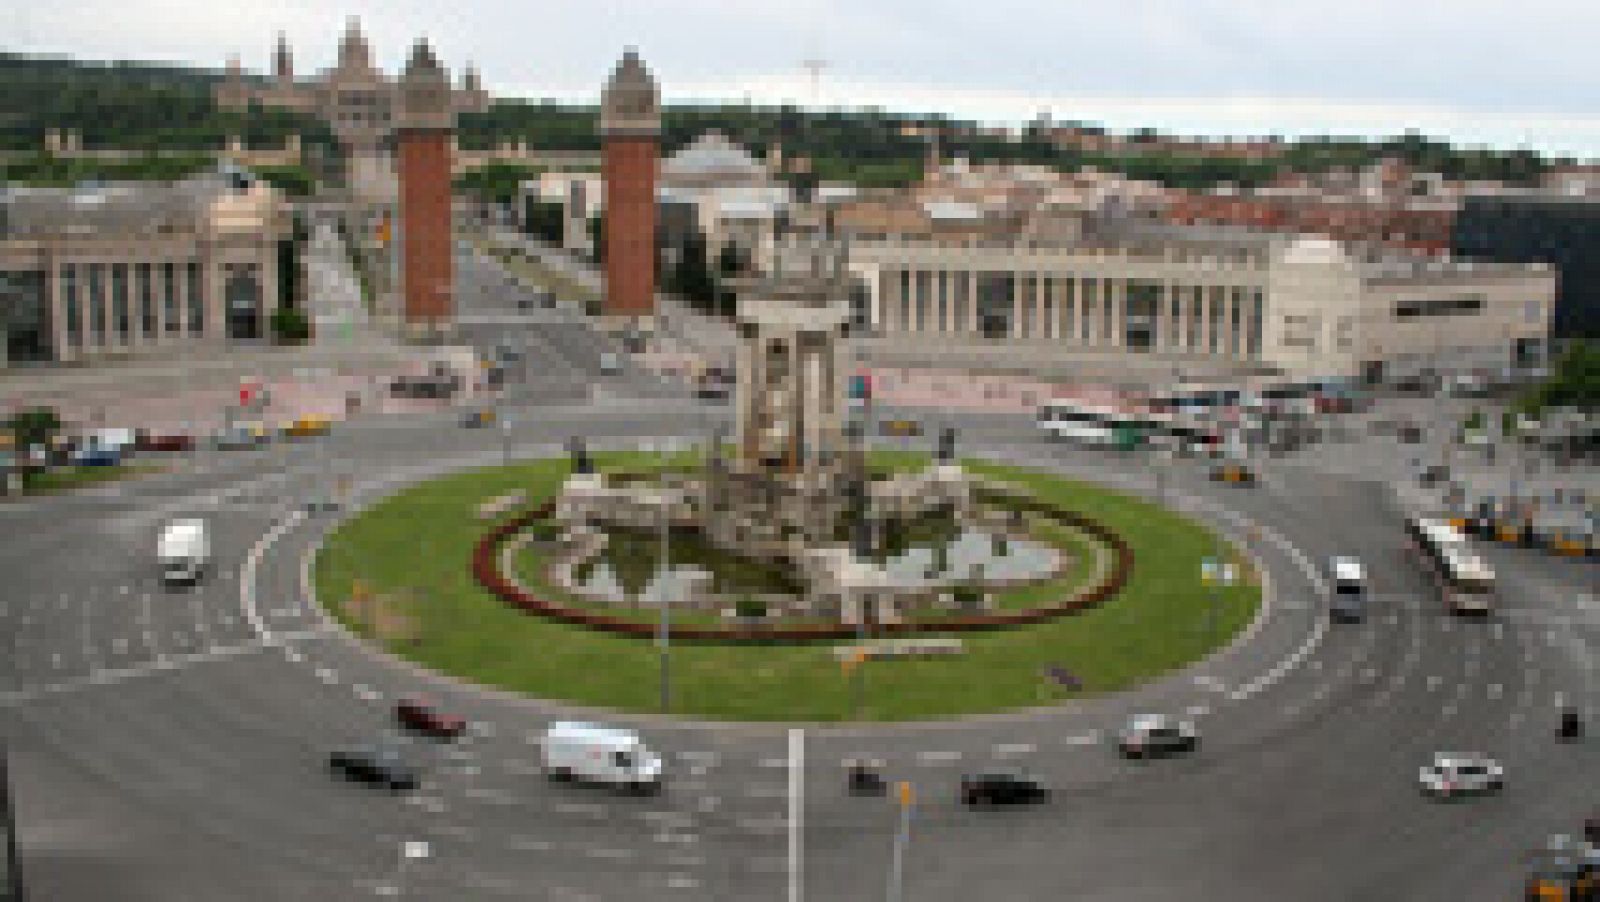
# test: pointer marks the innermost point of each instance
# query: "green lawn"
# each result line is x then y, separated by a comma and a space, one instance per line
65, 479
417, 545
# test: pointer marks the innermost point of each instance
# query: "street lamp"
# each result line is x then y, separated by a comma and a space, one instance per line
664, 634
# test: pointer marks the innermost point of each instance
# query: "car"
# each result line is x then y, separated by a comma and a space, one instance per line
1237, 474
421, 716
901, 427
1347, 585
165, 441
1152, 735
1453, 774
610, 364
97, 457
1564, 871
1002, 787
384, 764
238, 436
478, 418
312, 424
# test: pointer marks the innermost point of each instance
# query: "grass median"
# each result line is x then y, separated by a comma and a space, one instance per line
411, 554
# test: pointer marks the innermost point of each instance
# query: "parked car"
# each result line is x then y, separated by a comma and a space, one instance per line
1453, 774
164, 441
420, 715
610, 364
384, 764
1002, 787
1152, 735
1234, 473
240, 435
478, 418
309, 425
97, 457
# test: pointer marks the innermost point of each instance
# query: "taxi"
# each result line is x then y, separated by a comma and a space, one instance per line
313, 424
1237, 474
901, 427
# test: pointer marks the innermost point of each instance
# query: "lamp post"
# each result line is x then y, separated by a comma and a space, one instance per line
664, 634
902, 836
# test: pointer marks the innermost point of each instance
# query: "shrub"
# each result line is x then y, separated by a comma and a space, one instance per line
290, 326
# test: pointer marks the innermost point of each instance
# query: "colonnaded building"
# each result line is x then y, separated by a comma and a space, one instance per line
106, 269
1127, 287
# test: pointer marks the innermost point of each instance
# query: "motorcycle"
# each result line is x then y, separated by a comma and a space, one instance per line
863, 779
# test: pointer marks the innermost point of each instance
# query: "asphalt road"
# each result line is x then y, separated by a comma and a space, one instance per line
170, 745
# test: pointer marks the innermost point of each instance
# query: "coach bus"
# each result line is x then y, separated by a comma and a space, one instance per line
1465, 581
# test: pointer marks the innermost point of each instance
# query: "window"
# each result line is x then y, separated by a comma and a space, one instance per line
97, 302
1218, 298
1108, 322
1470, 304
924, 299
944, 302
197, 301
69, 288
147, 306
1069, 315
119, 301
1196, 303
1091, 299
1048, 328
169, 291
963, 297
1256, 318
1025, 313
1235, 319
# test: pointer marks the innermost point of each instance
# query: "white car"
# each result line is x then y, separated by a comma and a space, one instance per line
1150, 735
1460, 773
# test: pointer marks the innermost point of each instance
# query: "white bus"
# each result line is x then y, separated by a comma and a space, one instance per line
1465, 580
1095, 424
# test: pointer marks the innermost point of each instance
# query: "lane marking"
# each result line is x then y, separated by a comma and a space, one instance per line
797, 751
937, 756
1014, 748
1090, 738
247, 576
116, 675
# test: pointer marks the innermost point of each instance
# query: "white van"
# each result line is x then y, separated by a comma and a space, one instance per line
599, 754
184, 550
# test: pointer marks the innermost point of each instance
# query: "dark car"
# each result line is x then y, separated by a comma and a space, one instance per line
171, 441
384, 765
420, 715
1002, 787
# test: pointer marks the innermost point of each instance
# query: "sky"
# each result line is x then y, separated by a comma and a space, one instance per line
1506, 73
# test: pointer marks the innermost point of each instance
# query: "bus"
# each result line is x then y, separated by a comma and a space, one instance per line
1295, 396
1094, 424
1465, 581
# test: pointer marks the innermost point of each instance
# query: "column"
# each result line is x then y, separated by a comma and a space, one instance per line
1119, 313
180, 271
972, 301
213, 277
1231, 326
267, 279
58, 320
946, 301
1040, 329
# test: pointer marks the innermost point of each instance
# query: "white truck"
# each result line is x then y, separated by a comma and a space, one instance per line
598, 754
184, 550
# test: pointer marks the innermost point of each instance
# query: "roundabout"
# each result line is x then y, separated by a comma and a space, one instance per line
1135, 609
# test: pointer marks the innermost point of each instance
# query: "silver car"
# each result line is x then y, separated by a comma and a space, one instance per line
1460, 773
1150, 735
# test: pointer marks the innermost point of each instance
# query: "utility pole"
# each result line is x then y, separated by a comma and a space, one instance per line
663, 639
901, 837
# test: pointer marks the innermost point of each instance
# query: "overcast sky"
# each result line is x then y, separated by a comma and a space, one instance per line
1505, 72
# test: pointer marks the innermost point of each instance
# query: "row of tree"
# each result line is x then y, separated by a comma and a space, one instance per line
143, 106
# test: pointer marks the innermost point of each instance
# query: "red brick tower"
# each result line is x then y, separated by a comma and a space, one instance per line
630, 128
422, 133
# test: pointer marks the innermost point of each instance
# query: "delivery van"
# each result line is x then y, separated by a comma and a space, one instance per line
184, 550
594, 753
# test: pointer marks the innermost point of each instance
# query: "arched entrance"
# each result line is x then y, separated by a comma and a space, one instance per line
242, 295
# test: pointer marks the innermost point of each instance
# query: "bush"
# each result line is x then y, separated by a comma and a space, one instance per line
750, 608
290, 326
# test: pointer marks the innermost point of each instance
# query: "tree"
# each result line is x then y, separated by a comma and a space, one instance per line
290, 326
35, 426
1575, 382
495, 182
543, 219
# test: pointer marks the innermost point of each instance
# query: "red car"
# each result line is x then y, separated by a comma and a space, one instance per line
176, 441
420, 715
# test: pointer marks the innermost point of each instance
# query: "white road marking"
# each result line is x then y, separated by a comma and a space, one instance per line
681, 881
1014, 748
797, 754
1433, 682
327, 675
773, 763
1090, 738
612, 854
1494, 690
587, 809
1211, 683
366, 693
937, 756
247, 576
1194, 711
529, 844
113, 676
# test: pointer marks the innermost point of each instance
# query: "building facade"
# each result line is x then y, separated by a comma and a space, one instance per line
138, 267
359, 103
1301, 305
